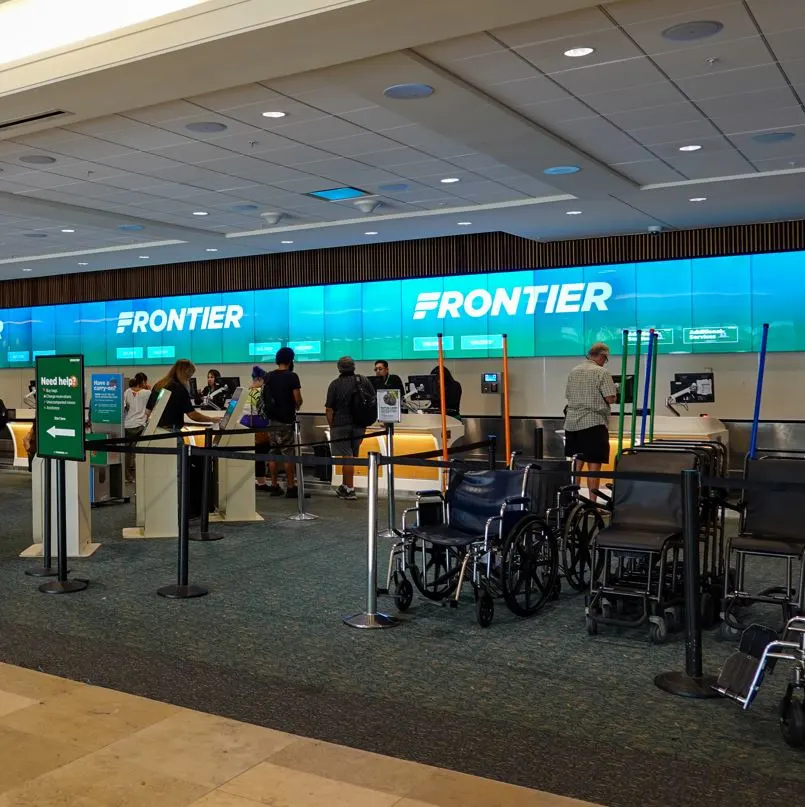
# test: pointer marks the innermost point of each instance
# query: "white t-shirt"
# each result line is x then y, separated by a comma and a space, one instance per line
135, 402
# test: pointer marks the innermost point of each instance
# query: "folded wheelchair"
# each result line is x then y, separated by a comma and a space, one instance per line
760, 649
636, 559
771, 528
479, 531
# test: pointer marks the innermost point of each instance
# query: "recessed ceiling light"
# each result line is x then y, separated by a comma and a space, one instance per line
211, 249
68, 230
206, 127
560, 170
144, 257
26, 270
698, 199
463, 223
575, 53
572, 212
83, 263
37, 159
200, 213
449, 180
371, 232
407, 92
691, 31
690, 148
276, 114
286, 242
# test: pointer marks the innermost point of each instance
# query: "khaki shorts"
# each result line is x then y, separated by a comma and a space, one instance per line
281, 438
345, 440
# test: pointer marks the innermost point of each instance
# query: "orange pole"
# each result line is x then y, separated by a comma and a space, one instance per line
443, 407
507, 432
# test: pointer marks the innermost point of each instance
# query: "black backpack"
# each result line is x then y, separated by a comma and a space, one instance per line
266, 405
363, 403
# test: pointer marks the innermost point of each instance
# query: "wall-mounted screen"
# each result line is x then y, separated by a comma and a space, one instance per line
707, 305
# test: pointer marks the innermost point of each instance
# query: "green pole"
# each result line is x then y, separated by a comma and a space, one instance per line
653, 385
636, 386
624, 368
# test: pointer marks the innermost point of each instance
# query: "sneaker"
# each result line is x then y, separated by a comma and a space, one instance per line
263, 488
275, 490
292, 493
343, 492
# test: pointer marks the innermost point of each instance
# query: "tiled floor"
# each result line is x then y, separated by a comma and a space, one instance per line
65, 743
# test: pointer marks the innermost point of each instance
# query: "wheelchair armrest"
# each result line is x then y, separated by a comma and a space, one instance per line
571, 488
511, 501
422, 494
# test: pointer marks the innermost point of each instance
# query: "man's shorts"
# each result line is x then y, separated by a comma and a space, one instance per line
281, 438
345, 440
590, 445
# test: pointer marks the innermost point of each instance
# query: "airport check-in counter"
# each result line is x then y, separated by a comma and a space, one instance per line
18, 428
416, 433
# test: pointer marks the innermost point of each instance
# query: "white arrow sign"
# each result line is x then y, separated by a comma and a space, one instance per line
54, 432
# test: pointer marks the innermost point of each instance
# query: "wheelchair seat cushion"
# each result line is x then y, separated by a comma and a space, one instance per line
633, 539
769, 545
445, 536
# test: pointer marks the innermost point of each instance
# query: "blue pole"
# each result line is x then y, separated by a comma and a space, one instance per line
646, 386
759, 392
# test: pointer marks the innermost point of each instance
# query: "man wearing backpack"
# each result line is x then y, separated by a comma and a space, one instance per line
350, 407
281, 398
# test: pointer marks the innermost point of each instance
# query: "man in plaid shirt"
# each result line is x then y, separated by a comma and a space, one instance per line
590, 391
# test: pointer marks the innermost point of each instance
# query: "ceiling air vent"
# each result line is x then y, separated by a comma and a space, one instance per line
10, 124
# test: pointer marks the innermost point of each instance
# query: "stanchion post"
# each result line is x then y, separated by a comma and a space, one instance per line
301, 514
491, 450
371, 618
204, 533
507, 436
46, 569
622, 396
636, 388
390, 531
761, 371
653, 385
182, 590
692, 683
61, 585
539, 443
646, 385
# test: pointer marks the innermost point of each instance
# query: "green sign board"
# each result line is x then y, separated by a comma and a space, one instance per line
60, 407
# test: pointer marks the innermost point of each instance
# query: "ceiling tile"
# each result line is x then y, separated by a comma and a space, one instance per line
463, 47
788, 44
315, 131
562, 26
548, 112
376, 118
776, 15
607, 78
602, 140
193, 153
759, 151
781, 163
534, 90
720, 164
749, 120
141, 163
647, 172
610, 46
255, 142
688, 132
634, 98
742, 53
295, 155
639, 11
759, 101
171, 111
795, 70
357, 145
247, 95
667, 115
731, 82
142, 136
494, 68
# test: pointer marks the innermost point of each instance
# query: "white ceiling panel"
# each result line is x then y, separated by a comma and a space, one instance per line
534, 90
494, 68
708, 60
776, 15
760, 151
318, 130
642, 11
723, 164
246, 96
648, 172
548, 112
687, 132
759, 102
357, 145
795, 71
634, 98
606, 78
576, 24
666, 115
602, 139
730, 82
464, 47
787, 45
782, 163
749, 120
376, 119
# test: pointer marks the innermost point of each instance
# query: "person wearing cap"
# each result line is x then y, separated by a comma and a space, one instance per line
282, 394
590, 392
345, 436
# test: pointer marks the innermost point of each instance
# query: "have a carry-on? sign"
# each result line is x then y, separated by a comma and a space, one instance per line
60, 407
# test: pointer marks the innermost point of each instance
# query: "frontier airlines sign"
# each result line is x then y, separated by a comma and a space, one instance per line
202, 318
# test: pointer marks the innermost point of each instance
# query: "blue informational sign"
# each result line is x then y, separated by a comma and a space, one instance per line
106, 401
707, 305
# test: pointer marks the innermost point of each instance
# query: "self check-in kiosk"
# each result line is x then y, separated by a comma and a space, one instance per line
236, 491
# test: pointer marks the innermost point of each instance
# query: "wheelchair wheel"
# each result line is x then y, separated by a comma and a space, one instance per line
581, 526
792, 718
484, 609
434, 568
529, 566
403, 593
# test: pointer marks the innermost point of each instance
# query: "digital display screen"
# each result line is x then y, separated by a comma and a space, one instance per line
706, 305
491, 378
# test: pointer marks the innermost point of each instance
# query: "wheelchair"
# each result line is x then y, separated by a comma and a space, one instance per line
574, 519
770, 527
636, 559
760, 649
480, 531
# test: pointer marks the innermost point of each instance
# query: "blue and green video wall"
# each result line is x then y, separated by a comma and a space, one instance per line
713, 305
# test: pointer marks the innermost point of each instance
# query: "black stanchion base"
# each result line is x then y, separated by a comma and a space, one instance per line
205, 536
63, 587
176, 592
680, 683
42, 571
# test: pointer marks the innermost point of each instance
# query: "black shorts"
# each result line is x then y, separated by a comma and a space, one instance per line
590, 445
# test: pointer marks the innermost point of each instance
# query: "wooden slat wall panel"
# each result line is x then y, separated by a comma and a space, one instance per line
486, 252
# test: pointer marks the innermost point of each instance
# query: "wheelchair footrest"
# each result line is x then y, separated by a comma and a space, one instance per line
737, 674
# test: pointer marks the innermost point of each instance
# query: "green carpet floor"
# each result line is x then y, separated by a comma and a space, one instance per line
534, 702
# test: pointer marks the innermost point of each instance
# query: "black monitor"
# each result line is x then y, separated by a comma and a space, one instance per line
194, 389
423, 387
629, 388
